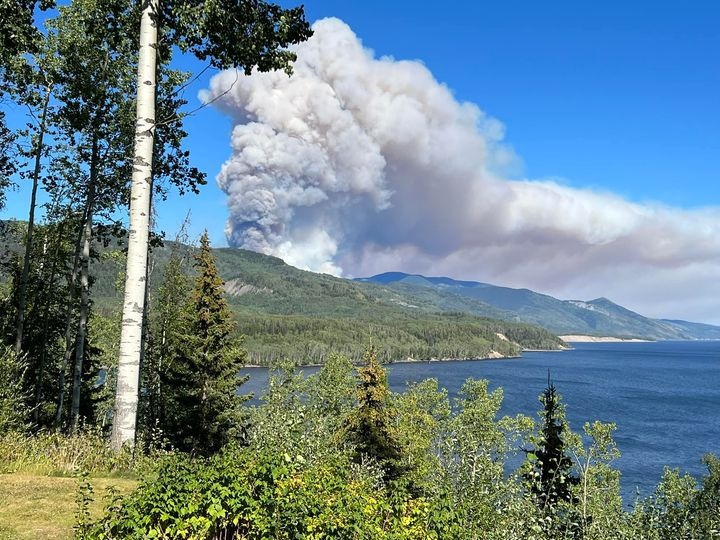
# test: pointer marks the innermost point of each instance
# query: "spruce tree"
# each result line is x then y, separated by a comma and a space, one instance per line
166, 332
369, 427
202, 379
551, 478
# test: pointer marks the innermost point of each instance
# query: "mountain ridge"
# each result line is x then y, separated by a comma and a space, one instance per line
597, 317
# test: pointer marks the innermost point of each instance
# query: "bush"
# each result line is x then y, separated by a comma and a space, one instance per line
244, 494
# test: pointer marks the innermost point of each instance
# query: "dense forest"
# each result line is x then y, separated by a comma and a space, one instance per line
120, 353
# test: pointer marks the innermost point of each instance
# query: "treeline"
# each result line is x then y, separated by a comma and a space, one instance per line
269, 338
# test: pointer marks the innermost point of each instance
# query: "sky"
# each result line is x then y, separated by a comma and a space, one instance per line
571, 148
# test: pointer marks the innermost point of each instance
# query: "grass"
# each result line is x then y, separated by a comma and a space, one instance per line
33, 506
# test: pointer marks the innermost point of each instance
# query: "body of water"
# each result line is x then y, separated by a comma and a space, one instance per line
663, 396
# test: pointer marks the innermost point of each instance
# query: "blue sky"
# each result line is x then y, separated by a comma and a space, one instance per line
618, 97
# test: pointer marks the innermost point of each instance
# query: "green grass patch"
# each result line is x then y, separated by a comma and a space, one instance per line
33, 506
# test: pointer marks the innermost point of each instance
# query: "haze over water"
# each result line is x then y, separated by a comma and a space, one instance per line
663, 396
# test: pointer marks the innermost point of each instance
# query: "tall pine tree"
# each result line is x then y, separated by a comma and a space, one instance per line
203, 377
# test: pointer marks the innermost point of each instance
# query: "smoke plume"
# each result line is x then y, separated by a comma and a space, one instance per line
357, 165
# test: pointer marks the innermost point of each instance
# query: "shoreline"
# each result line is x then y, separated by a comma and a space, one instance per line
578, 338
495, 356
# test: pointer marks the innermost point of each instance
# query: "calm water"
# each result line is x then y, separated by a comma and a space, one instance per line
664, 397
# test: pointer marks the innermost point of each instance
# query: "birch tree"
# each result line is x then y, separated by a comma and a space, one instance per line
237, 33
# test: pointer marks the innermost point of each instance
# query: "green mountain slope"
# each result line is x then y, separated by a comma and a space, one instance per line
286, 312
599, 317
699, 330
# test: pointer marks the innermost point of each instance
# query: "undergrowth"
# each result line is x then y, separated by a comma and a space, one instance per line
56, 454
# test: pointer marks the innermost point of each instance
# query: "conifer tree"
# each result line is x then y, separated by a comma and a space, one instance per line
369, 427
166, 330
551, 478
202, 379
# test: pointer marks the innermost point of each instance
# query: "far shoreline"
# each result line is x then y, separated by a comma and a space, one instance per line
579, 338
493, 356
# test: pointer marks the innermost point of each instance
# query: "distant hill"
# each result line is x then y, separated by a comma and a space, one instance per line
702, 331
599, 317
285, 312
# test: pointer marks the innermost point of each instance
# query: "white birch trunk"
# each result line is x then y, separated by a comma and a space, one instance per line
128, 374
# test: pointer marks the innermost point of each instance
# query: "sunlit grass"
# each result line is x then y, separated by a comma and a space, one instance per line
33, 507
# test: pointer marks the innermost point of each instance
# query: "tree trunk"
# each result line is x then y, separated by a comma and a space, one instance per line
69, 320
45, 323
22, 297
84, 290
82, 326
128, 374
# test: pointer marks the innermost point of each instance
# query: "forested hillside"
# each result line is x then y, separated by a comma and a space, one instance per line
284, 312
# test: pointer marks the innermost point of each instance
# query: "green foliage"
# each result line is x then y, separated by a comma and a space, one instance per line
99, 381
258, 495
7, 164
421, 413
596, 493
550, 477
14, 412
83, 498
166, 330
206, 30
369, 427
472, 450
706, 503
298, 477
680, 508
45, 315
19, 34
202, 375
305, 415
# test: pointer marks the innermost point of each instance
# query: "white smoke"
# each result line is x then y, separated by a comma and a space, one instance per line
360, 165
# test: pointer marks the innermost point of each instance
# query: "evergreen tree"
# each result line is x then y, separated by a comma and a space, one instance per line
47, 296
202, 379
167, 326
551, 478
369, 427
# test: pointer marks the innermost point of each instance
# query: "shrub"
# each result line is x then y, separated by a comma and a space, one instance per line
244, 494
